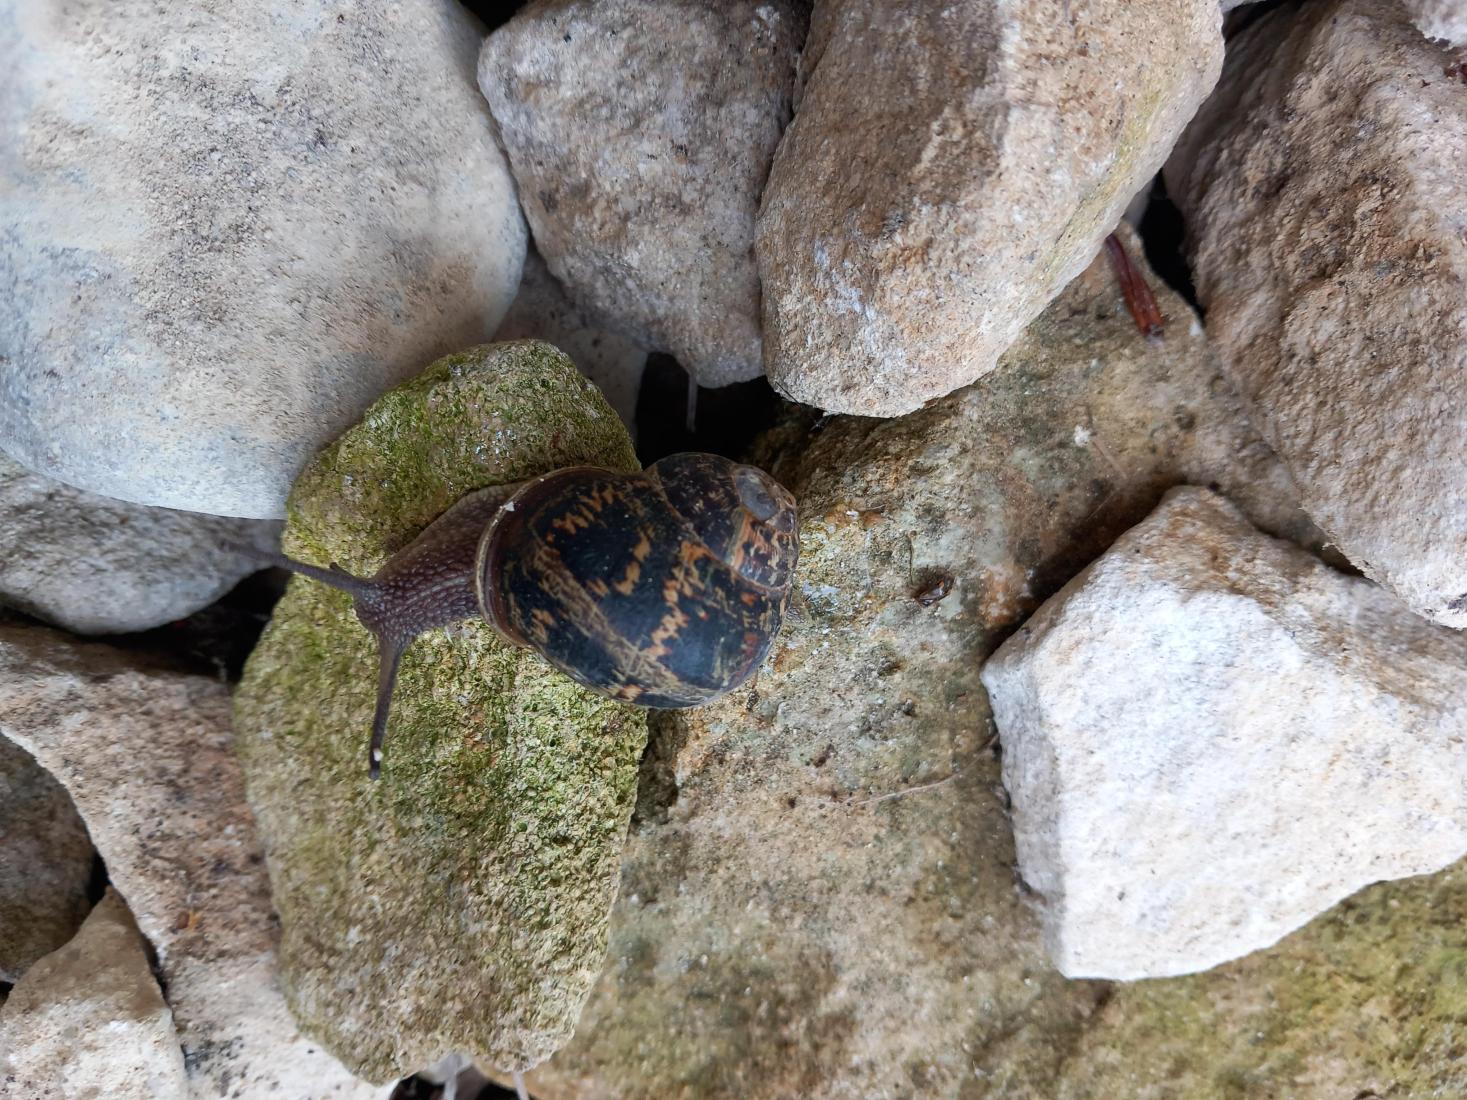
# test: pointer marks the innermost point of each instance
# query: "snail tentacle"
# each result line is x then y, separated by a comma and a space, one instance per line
333, 574
389, 658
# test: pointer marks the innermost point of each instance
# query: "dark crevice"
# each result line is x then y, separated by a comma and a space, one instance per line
657, 773
726, 421
97, 882
1163, 234
1245, 15
493, 13
215, 640
417, 1088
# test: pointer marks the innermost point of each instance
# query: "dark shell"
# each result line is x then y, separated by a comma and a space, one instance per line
664, 588
739, 512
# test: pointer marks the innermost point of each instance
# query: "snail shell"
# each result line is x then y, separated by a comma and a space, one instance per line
664, 588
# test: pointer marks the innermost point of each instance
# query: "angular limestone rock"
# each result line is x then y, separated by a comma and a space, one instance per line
458, 905
640, 133
227, 228
146, 754
95, 565
818, 898
89, 1020
46, 863
1211, 737
1324, 195
541, 311
949, 169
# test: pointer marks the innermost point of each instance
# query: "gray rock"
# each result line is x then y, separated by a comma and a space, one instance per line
949, 169
640, 133
147, 755
45, 863
229, 228
1329, 245
460, 905
89, 1020
541, 311
817, 896
95, 565
1210, 737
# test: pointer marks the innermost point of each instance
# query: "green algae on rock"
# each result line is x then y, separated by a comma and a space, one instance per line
1366, 1001
459, 904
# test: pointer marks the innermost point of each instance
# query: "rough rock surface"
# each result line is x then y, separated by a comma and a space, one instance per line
541, 311
1326, 205
147, 756
88, 1021
460, 904
1210, 737
95, 565
232, 226
1367, 1001
949, 169
45, 863
818, 897
640, 133
1441, 19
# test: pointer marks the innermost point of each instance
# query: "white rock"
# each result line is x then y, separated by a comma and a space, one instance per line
46, 863
230, 227
88, 1020
1209, 737
1443, 19
1327, 209
541, 311
640, 133
101, 566
147, 756
949, 169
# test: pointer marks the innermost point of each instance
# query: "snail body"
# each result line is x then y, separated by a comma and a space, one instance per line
664, 588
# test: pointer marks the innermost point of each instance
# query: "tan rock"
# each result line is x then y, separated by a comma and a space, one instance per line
46, 862
146, 754
1323, 190
818, 897
640, 133
949, 169
88, 1021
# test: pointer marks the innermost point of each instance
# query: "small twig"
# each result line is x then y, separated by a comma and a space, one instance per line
904, 791
692, 411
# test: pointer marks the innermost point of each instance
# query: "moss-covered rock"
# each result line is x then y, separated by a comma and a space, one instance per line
461, 902
1367, 1002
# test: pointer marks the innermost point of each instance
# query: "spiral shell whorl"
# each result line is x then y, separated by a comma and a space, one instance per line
664, 588
739, 512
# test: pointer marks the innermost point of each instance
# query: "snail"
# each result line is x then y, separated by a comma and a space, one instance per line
664, 588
